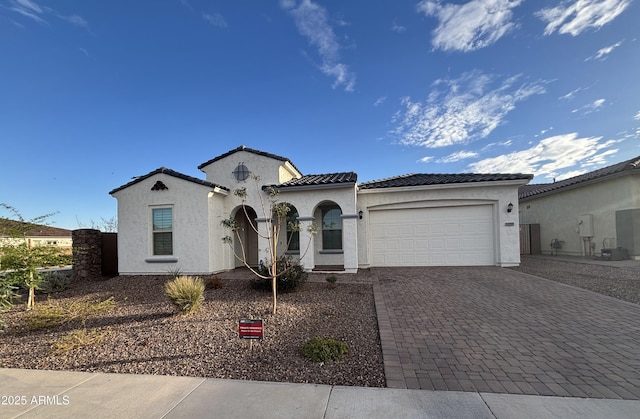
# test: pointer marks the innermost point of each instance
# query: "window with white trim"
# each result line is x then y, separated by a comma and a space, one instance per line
331, 228
162, 231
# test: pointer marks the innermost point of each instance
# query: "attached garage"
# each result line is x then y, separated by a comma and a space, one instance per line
435, 236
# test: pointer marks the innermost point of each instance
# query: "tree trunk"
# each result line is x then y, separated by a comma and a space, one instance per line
274, 270
32, 293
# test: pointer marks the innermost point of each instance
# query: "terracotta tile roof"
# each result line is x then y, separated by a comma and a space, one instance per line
421, 179
249, 150
628, 166
169, 172
35, 230
321, 180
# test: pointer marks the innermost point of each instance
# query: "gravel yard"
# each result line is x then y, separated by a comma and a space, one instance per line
620, 281
145, 336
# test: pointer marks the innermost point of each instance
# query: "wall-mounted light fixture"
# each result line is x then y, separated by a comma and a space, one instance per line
510, 207
360, 214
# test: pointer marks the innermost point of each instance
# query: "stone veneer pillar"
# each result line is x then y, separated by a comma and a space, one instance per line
87, 254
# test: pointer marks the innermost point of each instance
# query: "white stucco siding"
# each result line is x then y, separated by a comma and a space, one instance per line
221, 257
308, 203
271, 171
558, 213
189, 202
493, 195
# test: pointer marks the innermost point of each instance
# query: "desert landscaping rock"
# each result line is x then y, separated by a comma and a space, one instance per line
146, 336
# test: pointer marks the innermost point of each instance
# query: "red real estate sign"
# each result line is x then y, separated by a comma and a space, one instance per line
250, 329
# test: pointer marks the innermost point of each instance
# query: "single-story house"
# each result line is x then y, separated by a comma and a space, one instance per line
593, 214
169, 221
37, 235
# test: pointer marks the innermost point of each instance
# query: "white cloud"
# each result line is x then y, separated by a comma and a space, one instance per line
637, 116
549, 157
461, 110
573, 93
27, 8
312, 22
215, 19
457, 156
379, 101
603, 52
470, 26
575, 17
426, 159
397, 28
33, 11
591, 107
27, 4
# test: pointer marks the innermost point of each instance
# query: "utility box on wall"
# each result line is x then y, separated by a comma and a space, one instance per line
585, 225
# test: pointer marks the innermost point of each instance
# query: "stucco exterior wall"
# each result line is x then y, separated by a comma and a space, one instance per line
558, 213
498, 194
270, 171
308, 203
190, 203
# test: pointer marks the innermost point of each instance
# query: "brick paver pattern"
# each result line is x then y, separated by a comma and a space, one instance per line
489, 329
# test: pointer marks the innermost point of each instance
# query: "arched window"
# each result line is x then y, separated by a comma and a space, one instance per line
293, 235
331, 227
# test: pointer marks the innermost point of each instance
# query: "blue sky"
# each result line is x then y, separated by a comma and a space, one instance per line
95, 92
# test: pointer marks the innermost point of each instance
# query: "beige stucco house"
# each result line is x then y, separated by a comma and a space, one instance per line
585, 214
169, 221
38, 235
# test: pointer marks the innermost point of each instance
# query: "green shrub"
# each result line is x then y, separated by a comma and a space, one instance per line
324, 349
290, 275
7, 293
186, 293
55, 281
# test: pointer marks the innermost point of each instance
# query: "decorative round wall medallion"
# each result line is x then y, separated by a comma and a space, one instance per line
241, 172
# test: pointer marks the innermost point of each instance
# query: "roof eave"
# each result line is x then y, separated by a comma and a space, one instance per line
452, 185
611, 176
282, 188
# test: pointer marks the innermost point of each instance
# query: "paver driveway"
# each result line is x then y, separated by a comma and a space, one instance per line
492, 329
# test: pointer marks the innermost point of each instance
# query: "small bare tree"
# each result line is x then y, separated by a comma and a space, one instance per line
106, 225
275, 213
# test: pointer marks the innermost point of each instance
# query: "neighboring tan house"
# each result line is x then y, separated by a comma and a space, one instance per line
585, 214
169, 221
38, 235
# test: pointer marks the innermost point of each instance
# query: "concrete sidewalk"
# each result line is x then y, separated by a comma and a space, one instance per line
65, 394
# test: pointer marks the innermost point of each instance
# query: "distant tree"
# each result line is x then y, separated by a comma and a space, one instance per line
106, 225
275, 215
18, 258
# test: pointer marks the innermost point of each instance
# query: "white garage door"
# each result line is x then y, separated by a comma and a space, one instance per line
442, 236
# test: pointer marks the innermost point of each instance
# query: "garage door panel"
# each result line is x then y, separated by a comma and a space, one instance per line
442, 236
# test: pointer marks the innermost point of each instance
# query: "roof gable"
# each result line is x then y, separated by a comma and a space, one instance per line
423, 179
248, 150
628, 166
164, 170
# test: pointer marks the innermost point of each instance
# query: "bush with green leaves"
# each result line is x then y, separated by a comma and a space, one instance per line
55, 281
186, 293
290, 275
324, 349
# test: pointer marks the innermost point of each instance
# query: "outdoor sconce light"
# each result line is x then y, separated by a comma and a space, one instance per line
510, 207
360, 214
